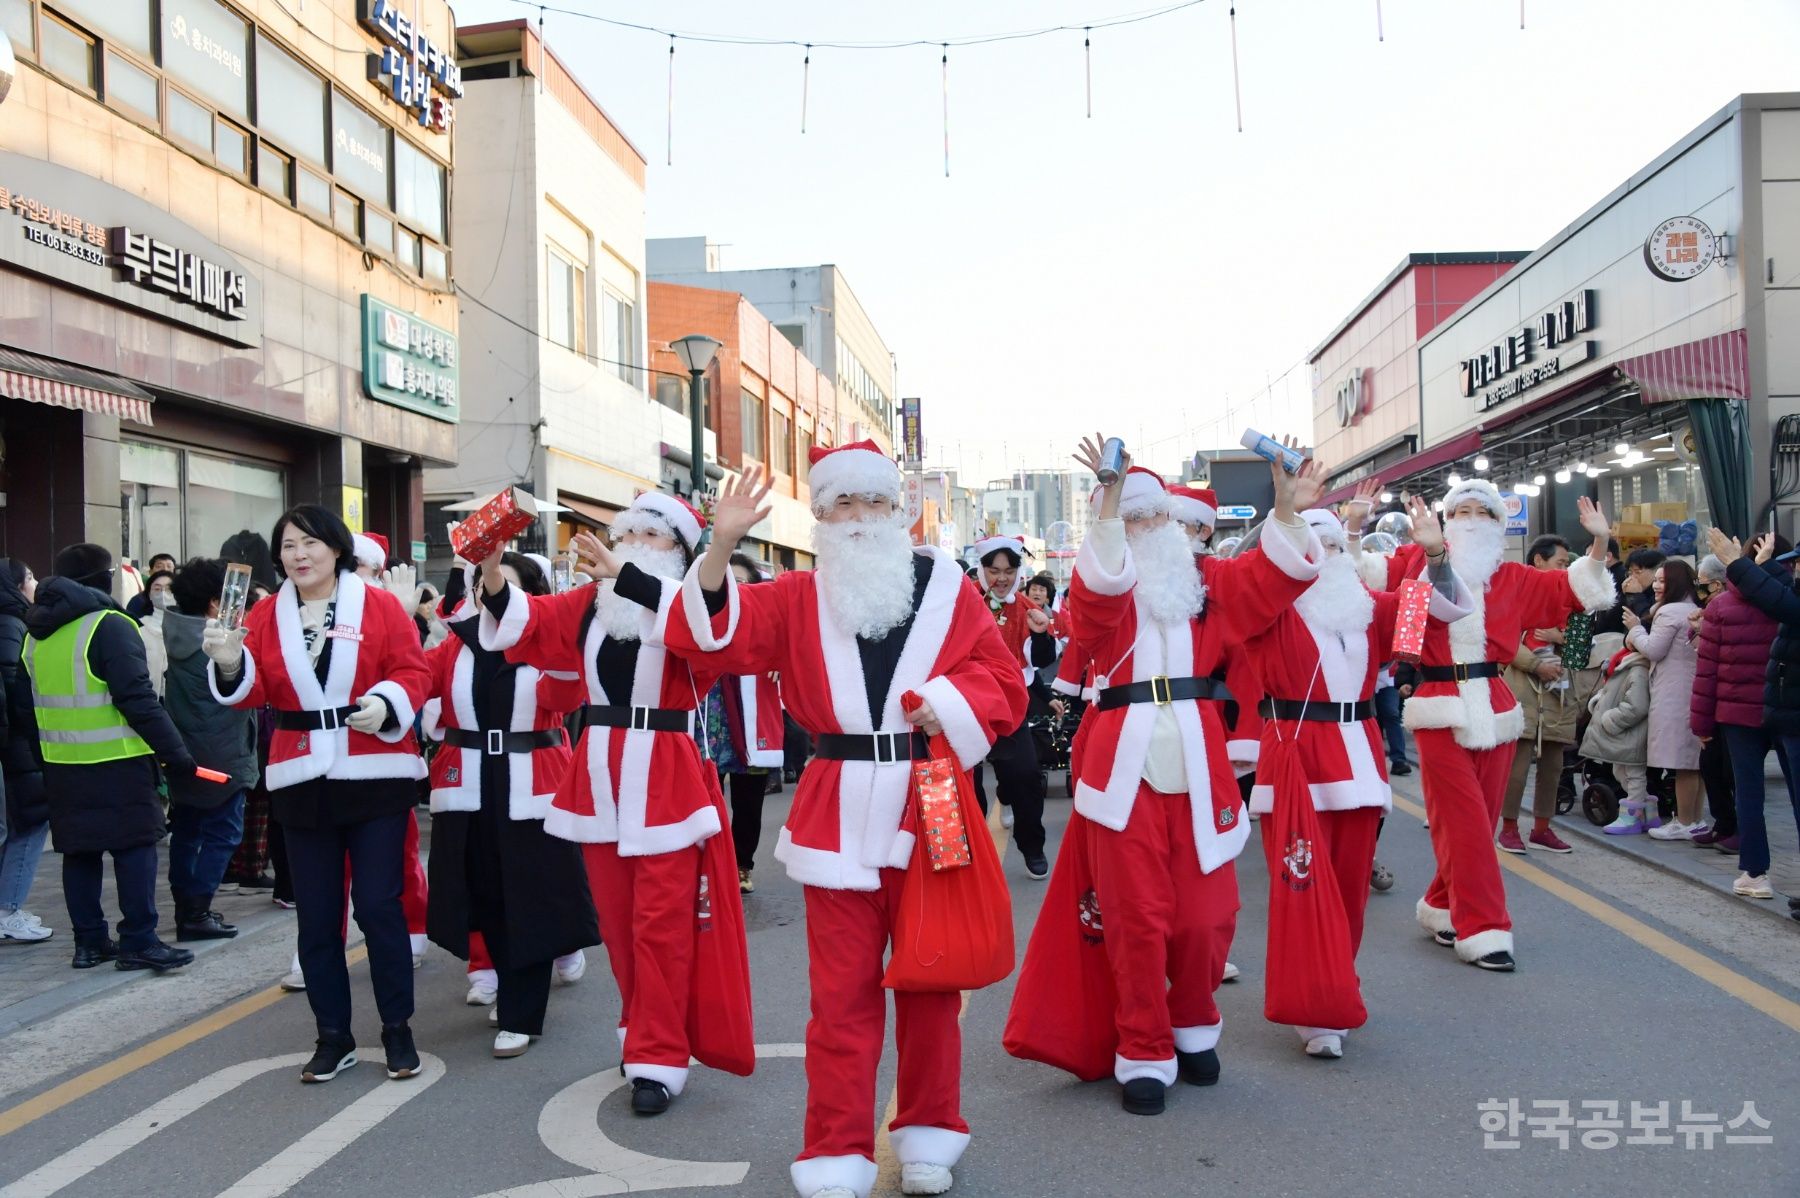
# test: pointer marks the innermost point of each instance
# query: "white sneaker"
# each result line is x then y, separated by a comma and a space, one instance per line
511, 1044
1006, 821
483, 990
925, 1179
295, 980
572, 968
1675, 830
23, 927
1326, 1048
835, 1192
493, 1016
1231, 973
1753, 886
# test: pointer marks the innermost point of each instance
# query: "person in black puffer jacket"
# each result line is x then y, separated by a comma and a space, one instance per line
27, 814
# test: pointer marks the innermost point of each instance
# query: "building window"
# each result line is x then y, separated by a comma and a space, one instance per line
274, 171
378, 231
290, 102
231, 147
189, 504
620, 319
795, 333
68, 52
436, 264
312, 193
406, 249
123, 22
672, 393
15, 20
803, 459
130, 87
346, 215
754, 427
360, 154
206, 46
418, 188
567, 305
781, 443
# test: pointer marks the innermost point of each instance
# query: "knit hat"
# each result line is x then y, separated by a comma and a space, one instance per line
655, 512
859, 468
1479, 489
1143, 495
87, 564
371, 550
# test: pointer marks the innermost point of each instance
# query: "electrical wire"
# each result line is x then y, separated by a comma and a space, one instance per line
541, 336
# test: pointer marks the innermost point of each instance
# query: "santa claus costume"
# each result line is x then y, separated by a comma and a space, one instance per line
1466, 720
495, 873
1145, 876
1018, 782
877, 620
644, 806
1197, 510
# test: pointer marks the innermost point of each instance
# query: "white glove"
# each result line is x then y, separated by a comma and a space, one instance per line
225, 648
402, 582
371, 714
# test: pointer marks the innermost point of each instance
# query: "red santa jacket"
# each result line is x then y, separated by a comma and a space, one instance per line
1244, 594
753, 712
1074, 672
374, 651
845, 823
640, 789
1482, 711
539, 702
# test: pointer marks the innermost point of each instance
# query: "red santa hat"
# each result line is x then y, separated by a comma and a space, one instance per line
859, 468
1194, 505
1329, 528
988, 546
371, 550
655, 512
1144, 494
1479, 489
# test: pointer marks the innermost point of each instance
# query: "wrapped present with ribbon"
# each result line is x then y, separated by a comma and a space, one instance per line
941, 823
495, 523
1578, 642
1410, 619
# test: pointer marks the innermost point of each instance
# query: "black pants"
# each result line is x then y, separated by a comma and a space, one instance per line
1721, 787
1019, 784
135, 872
278, 862
377, 853
524, 989
747, 791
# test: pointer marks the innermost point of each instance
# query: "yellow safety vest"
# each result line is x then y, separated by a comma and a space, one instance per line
77, 722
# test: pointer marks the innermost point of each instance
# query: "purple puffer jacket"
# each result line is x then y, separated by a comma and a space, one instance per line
1734, 662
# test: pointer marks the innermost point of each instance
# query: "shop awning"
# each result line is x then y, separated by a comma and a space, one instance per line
1711, 368
40, 380
1418, 463
585, 511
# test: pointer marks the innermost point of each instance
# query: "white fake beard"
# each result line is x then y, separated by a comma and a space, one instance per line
619, 617
1476, 544
1168, 578
865, 574
1337, 602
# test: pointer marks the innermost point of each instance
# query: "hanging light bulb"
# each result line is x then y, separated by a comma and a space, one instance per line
1581, 467
1387, 497
1563, 476
1481, 463
1455, 479
1621, 449
1538, 480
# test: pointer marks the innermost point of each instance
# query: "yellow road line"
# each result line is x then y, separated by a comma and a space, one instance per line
1782, 1010
80, 1086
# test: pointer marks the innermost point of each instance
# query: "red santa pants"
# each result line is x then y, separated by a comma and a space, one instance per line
1464, 790
1167, 927
646, 907
847, 934
1349, 843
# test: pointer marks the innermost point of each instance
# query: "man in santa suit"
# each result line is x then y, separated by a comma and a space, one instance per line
1156, 802
639, 799
1196, 509
878, 619
1025, 627
1464, 716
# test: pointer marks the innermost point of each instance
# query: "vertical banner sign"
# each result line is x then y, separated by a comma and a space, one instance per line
353, 508
912, 436
915, 506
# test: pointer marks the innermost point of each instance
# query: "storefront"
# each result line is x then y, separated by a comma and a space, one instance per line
1644, 355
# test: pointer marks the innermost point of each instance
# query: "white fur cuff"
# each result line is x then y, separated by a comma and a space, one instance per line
1432, 919
1592, 584
855, 1173
967, 737
241, 691
401, 702
669, 1075
1372, 568
1125, 1070
1473, 948
1104, 543
505, 632
928, 1145
1199, 1039
699, 622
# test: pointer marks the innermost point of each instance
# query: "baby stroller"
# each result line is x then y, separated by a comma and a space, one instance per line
1599, 791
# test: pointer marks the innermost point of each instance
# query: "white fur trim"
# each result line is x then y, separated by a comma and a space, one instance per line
242, 690
431, 719
815, 1173
1592, 583
361, 767
621, 1030
1329, 529
1188, 510
1243, 750
1475, 488
1372, 568
925, 1145
1144, 494
672, 512
504, 633
675, 1078
1286, 556
1125, 1070
991, 545
1065, 686
1105, 537
1432, 919
1473, 948
759, 758
1199, 1038
367, 552
852, 471
404, 713
962, 728
700, 624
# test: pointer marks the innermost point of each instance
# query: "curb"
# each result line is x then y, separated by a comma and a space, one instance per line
1774, 909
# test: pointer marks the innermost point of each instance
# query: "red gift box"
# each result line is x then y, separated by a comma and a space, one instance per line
498, 521
940, 815
1409, 621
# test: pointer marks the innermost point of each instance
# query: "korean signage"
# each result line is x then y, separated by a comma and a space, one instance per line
159, 266
408, 362
1353, 398
1518, 513
1523, 360
420, 76
912, 436
1680, 248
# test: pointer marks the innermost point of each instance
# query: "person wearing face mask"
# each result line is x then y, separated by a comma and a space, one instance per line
639, 799
144, 602
878, 619
1196, 509
1025, 627
159, 598
339, 661
1463, 715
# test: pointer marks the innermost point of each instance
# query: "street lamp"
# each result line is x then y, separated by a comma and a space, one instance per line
696, 353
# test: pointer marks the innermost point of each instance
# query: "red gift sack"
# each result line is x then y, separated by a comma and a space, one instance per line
1312, 978
954, 928
720, 1031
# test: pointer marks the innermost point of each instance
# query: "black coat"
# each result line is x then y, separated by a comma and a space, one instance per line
219, 737
113, 805
524, 889
20, 758
1775, 596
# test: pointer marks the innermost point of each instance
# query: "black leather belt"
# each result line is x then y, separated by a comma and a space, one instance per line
497, 743
1311, 710
883, 748
328, 720
1163, 691
640, 719
1460, 673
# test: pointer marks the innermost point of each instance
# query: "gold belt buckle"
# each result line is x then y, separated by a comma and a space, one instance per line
1461, 670
1162, 695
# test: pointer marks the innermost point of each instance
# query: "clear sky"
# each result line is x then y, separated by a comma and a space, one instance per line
1150, 271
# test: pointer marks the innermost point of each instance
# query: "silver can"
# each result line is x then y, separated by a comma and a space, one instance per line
1112, 462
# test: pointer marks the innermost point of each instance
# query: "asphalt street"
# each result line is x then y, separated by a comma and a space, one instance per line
1633, 987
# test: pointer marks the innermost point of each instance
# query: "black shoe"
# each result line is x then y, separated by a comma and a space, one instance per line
1501, 962
402, 1057
1794, 904
158, 956
1399, 769
1199, 1068
1037, 865
1143, 1096
1446, 937
648, 1097
89, 955
333, 1055
207, 925
790, 776
263, 882
772, 784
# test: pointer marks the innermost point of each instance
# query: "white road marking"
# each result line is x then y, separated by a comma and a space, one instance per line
568, 1128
